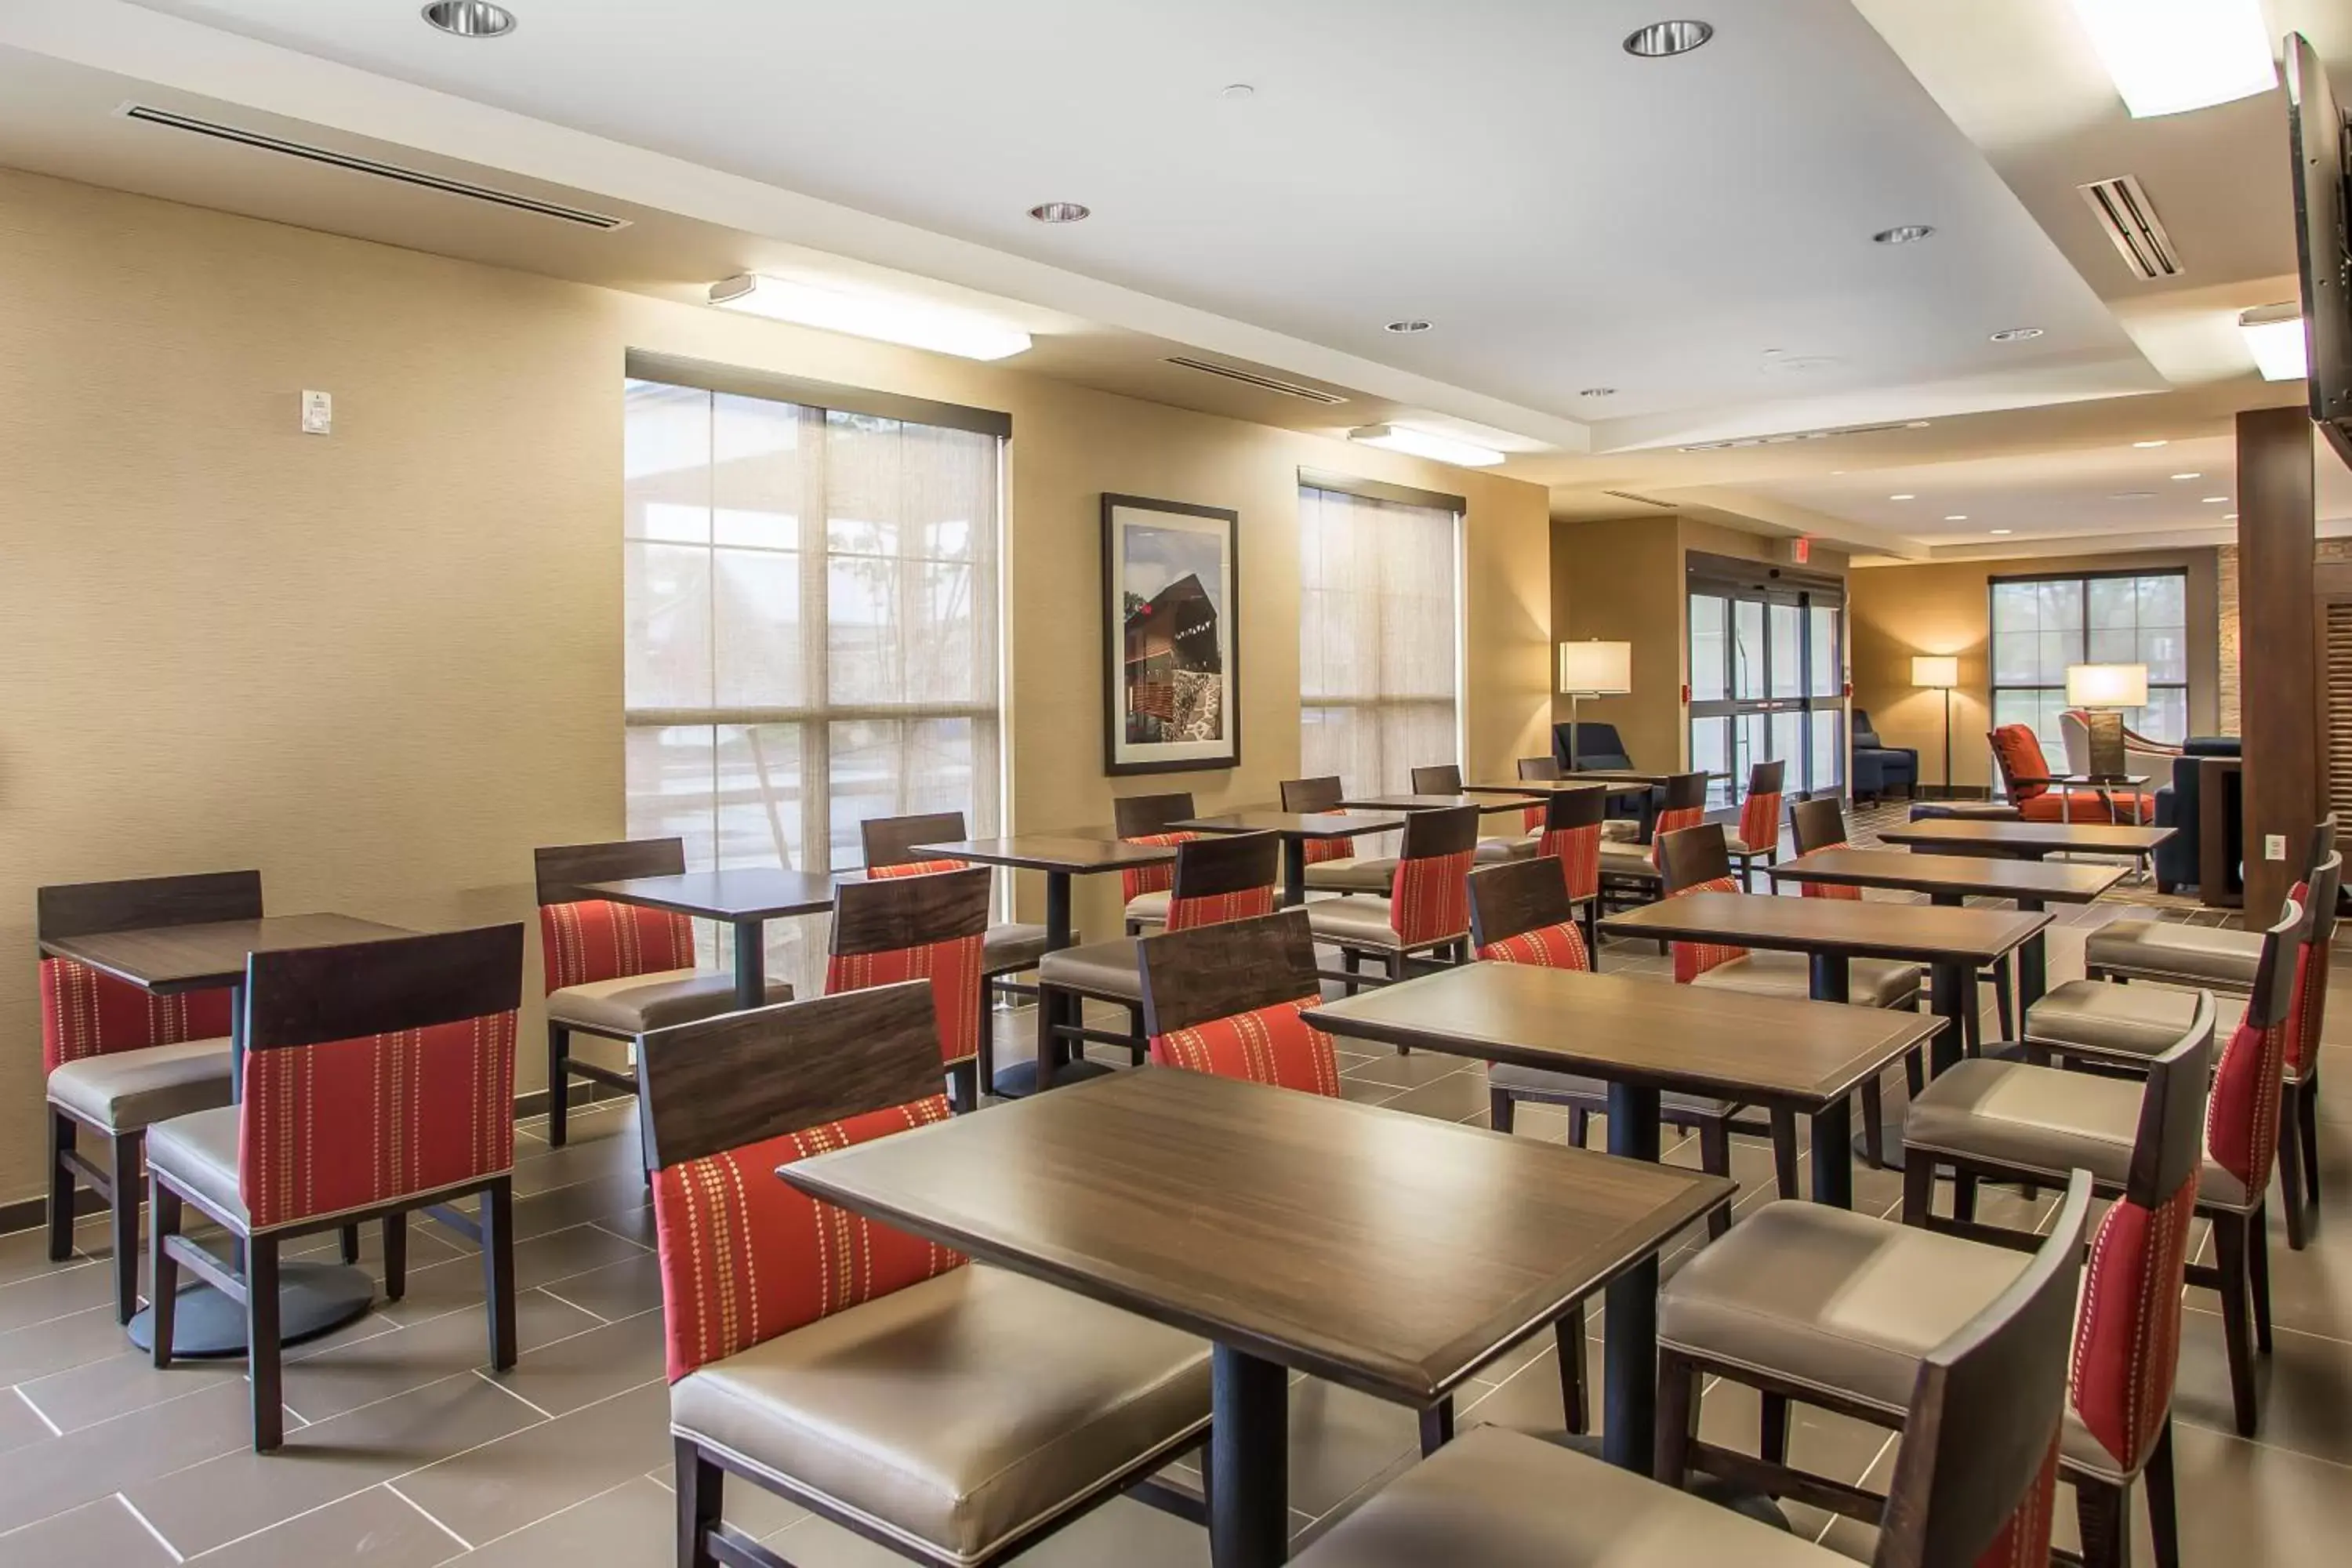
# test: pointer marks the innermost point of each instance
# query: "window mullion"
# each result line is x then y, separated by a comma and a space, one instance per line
815, 732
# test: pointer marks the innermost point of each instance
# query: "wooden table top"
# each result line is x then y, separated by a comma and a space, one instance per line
166, 959
743, 893
1291, 823
1071, 852
1392, 1253
2027, 838
1919, 933
1802, 1055
1488, 806
1992, 876
1558, 787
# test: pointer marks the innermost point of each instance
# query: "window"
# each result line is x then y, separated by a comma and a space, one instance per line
1377, 639
1767, 679
2042, 625
811, 610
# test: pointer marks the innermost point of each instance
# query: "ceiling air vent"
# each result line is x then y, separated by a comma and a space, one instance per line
1263, 382
1644, 500
2123, 210
333, 159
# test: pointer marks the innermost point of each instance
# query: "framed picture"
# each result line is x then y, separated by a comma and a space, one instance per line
1172, 656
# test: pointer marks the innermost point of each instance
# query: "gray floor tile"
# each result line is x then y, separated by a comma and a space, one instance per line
373, 1527
102, 1534
542, 1470
632, 1525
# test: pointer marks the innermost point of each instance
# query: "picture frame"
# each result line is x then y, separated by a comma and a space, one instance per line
1171, 642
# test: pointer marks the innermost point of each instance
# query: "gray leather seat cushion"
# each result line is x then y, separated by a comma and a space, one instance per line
1099, 969
198, 1152
1544, 1084
1495, 851
1352, 876
1352, 922
1870, 981
1830, 1299
1735, 844
1148, 908
1620, 830
126, 1090
1497, 1499
2141, 1021
1008, 948
1625, 857
2040, 1118
2200, 955
637, 1002
957, 1412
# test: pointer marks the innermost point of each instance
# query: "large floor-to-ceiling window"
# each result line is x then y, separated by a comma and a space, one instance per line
812, 625
1379, 633
2043, 624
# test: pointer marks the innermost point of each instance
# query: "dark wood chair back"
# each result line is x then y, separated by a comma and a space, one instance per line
2171, 1143
94, 909
1226, 863
2323, 839
1144, 816
1570, 808
890, 914
1817, 823
1444, 779
1233, 966
1312, 795
1986, 1409
1540, 769
1692, 855
304, 995
721, 1083
1448, 831
563, 868
2273, 996
891, 840
2326, 880
1514, 896
1766, 778
1685, 792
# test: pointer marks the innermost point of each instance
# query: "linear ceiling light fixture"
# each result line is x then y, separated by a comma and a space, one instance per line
889, 318
1427, 444
469, 18
2169, 57
2274, 337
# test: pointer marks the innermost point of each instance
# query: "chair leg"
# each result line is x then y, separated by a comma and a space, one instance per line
2307, 1124
123, 1162
963, 1083
498, 1269
700, 1488
395, 1256
1772, 1441
1964, 1196
1567, 1335
1502, 1110
61, 1186
1715, 1159
263, 1355
1677, 1418
1142, 1045
2290, 1168
2004, 999
2104, 1514
1784, 1154
1395, 962
2230, 1248
1436, 1426
1918, 1188
2163, 1501
163, 1270
2258, 1274
1874, 1124
558, 1084
351, 1245
1579, 1125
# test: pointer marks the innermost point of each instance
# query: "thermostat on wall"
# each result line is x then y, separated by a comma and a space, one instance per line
318, 413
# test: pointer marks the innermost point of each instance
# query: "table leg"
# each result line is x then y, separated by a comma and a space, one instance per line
1833, 1154
1831, 977
2032, 965
1630, 1354
1955, 993
1020, 1079
1249, 1460
750, 964
1294, 872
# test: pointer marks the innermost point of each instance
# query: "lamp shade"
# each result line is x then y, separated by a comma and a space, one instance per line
1596, 669
2107, 685
1935, 669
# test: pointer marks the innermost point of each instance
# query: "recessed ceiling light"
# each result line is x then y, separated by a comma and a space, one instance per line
1917, 425
1904, 233
1956, 517
1236, 89
2215, 501
1427, 444
2228, 517
1661, 39
1598, 392
1061, 212
2150, 445
1408, 326
470, 18
2187, 476
2016, 335
1903, 497
2002, 533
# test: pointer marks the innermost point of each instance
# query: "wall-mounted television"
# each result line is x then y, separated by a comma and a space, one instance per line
2318, 135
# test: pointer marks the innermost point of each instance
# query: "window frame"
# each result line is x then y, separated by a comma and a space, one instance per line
1995, 687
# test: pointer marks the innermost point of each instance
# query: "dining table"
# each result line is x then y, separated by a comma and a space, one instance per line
167, 961
2025, 840
1296, 829
745, 898
1393, 1254
1517, 797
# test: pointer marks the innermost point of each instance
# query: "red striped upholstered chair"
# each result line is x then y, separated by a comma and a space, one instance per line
1426, 916
1446, 778
614, 971
932, 928
1215, 877
1010, 947
1227, 999
1334, 865
949, 1412
1759, 838
1569, 834
379, 1079
1148, 819
1629, 869
117, 1059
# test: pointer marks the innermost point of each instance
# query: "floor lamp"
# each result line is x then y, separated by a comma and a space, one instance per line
1593, 668
1939, 671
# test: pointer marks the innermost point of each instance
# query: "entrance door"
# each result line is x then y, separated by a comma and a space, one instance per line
1767, 684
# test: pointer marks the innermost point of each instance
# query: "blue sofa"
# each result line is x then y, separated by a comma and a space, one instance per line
2178, 807
1879, 770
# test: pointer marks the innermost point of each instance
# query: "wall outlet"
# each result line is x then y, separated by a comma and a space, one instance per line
318, 413
2273, 846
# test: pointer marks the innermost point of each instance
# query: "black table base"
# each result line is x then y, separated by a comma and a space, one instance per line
1249, 1460
1629, 1373
313, 1298
1019, 1082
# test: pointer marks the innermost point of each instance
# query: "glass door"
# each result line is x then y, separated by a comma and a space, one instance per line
1767, 684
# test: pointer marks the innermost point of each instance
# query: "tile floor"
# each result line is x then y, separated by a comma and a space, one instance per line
402, 1450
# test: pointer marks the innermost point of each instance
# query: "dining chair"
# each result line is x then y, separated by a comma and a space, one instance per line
1569, 834
932, 928
948, 1413
1446, 778
379, 1080
2178, 953
1333, 865
1227, 999
1148, 819
1629, 869
614, 971
1007, 949
1425, 919
1758, 836
116, 1059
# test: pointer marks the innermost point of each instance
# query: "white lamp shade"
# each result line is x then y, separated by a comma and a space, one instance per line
1935, 669
2107, 685
1596, 669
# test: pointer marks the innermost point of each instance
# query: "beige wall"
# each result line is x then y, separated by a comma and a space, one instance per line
383, 665
1947, 608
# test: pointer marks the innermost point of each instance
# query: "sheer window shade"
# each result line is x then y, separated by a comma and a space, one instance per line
811, 611
1377, 637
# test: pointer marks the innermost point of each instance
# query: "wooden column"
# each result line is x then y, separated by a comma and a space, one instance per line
2278, 674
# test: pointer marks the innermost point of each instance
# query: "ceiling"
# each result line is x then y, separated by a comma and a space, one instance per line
1690, 233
